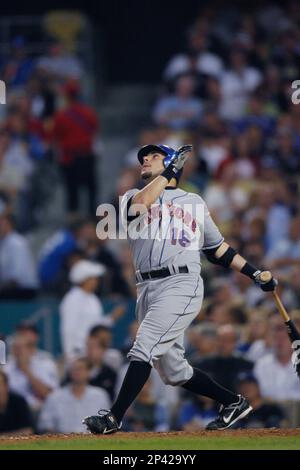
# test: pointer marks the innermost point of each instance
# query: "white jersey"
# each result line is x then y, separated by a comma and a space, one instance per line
173, 231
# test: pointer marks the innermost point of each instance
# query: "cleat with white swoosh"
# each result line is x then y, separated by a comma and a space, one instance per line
230, 414
103, 423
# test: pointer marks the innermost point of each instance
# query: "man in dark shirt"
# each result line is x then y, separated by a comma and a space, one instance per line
226, 365
15, 417
264, 414
101, 375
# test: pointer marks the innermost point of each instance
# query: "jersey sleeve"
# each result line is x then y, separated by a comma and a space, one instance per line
125, 204
212, 235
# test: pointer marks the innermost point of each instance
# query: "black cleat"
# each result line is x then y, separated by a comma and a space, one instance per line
103, 423
230, 414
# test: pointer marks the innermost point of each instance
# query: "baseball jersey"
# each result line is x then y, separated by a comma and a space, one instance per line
172, 232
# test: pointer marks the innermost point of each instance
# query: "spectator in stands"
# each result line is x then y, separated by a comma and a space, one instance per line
197, 59
127, 272
112, 357
258, 339
18, 67
275, 372
245, 165
218, 313
257, 116
237, 83
272, 204
75, 129
15, 416
115, 281
286, 252
265, 414
285, 156
101, 375
203, 338
196, 413
145, 414
81, 309
227, 196
16, 166
42, 103
182, 110
212, 148
59, 64
66, 407
31, 372
56, 249
18, 277
225, 366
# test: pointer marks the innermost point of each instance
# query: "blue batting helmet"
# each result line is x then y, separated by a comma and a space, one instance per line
169, 153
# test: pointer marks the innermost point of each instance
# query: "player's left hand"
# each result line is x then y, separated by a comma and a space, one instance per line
266, 286
181, 156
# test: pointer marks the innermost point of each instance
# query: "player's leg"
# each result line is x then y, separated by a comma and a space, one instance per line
175, 370
165, 307
135, 378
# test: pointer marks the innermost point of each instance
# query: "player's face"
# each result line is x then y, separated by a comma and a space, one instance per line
152, 165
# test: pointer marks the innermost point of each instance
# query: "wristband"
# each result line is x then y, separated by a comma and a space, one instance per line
250, 271
170, 172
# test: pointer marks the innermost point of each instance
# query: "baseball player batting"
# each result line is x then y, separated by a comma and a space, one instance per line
170, 287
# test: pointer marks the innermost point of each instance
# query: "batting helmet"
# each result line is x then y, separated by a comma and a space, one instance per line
169, 153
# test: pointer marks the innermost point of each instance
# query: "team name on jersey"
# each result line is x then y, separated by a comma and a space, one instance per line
157, 212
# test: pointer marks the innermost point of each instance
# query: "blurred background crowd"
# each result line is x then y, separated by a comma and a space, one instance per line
66, 297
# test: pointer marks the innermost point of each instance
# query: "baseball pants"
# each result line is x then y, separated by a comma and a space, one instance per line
165, 308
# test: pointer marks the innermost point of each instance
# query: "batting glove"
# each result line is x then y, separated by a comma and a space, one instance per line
266, 286
181, 156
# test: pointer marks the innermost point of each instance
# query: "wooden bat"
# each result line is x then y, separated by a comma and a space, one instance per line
292, 331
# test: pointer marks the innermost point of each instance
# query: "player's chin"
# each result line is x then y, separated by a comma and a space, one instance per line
146, 175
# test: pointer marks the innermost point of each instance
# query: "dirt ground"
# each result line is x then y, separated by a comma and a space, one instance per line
133, 435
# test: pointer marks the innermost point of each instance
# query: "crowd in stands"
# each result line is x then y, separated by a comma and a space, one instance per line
229, 93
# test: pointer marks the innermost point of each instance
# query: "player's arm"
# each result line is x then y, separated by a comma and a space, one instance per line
149, 194
224, 255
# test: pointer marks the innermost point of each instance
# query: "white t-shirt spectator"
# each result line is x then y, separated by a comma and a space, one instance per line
213, 154
63, 412
16, 168
257, 350
277, 381
207, 63
235, 89
66, 65
17, 262
42, 366
223, 202
79, 312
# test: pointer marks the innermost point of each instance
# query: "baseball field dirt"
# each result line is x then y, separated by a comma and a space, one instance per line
256, 439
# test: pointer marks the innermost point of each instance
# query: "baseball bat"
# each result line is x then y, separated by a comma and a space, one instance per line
292, 330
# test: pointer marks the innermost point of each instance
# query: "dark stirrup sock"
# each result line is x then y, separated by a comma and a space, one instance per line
202, 384
136, 376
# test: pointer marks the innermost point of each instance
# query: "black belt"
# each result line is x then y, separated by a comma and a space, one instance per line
163, 272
